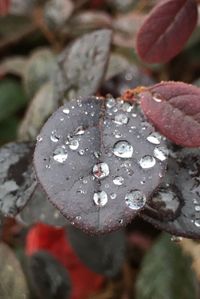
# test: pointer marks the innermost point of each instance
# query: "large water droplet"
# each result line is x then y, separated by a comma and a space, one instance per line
118, 180
121, 119
147, 162
101, 170
73, 144
154, 138
135, 199
123, 149
161, 153
100, 198
60, 155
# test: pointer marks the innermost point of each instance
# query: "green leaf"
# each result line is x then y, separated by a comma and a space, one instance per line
166, 273
12, 97
8, 129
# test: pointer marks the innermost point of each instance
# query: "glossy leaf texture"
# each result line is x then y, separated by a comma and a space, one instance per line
175, 206
48, 277
17, 178
99, 161
13, 283
99, 252
166, 273
166, 30
174, 109
82, 65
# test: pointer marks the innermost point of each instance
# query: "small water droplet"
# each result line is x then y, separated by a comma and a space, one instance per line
154, 138
176, 239
121, 119
161, 153
101, 170
100, 198
197, 222
78, 218
123, 149
54, 137
85, 181
135, 199
157, 97
118, 180
81, 152
121, 221
79, 131
117, 134
134, 115
39, 138
197, 208
97, 155
110, 103
127, 107
147, 162
113, 195
60, 155
73, 144
66, 111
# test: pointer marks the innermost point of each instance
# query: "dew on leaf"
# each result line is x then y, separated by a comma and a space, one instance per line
135, 199
60, 154
118, 180
123, 149
121, 119
147, 162
161, 153
154, 138
101, 170
100, 198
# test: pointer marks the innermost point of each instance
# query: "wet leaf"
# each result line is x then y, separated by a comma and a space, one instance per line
17, 180
166, 30
48, 277
112, 167
82, 65
40, 108
174, 109
12, 98
99, 252
39, 69
39, 209
12, 280
166, 273
175, 207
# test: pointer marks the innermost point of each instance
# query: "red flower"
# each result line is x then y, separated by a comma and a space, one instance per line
54, 240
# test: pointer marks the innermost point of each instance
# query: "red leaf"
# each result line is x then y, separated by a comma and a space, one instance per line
4, 7
54, 240
174, 109
166, 30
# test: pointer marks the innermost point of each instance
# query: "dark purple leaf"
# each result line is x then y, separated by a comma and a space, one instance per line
17, 179
174, 109
82, 65
39, 209
99, 252
166, 30
98, 162
48, 277
175, 207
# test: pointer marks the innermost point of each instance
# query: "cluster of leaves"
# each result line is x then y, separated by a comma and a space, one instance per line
147, 139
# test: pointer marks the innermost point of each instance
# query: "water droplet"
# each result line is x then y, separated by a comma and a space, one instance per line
60, 155
147, 162
54, 136
110, 103
127, 107
135, 199
197, 208
113, 195
118, 180
161, 153
81, 152
166, 200
78, 218
121, 119
97, 155
154, 138
197, 222
73, 144
157, 97
101, 170
85, 181
79, 131
176, 239
100, 198
66, 110
121, 221
123, 149
39, 138
117, 134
